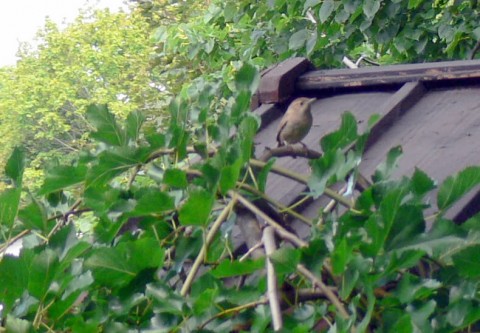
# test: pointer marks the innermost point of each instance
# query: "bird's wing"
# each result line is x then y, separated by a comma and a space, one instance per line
282, 125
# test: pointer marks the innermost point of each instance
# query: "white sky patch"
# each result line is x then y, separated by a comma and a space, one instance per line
21, 19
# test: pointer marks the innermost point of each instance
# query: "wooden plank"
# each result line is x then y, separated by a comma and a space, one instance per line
388, 75
277, 83
395, 107
439, 135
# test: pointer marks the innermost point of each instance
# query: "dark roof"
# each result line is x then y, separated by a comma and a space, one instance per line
432, 110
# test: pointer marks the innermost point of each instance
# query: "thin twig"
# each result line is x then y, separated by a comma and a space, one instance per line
250, 251
328, 293
13, 239
282, 208
272, 289
304, 180
208, 240
236, 309
285, 234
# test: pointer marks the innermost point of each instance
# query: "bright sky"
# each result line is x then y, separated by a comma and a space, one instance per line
20, 20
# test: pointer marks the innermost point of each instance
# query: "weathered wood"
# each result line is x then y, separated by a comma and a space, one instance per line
388, 75
277, 83
394, 108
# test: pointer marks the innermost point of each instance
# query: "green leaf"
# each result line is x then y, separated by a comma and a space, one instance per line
134, 123
247, 78
285, 260
309, 4
349, 281
175, 178
456, 315
42, 272
197, 208
153, 202
113, 162
9, 202
330, 168
326, 10
385, 169
344, 136
412, 288
33, 216
413, 4
229, 176
370, 8
402, 325
298, 39
229, 268
341, 255
456, 186
204, 301
442, 241
117, 266
15, 166
421, 182
13, 278
476, 33
108, 131
61, 177
263, 174
467, 263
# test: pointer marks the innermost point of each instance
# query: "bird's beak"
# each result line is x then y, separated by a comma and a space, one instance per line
311, 100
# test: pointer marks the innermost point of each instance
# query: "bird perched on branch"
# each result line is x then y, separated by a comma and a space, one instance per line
296, 122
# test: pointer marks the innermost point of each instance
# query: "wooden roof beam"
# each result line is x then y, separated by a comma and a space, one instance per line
388, 75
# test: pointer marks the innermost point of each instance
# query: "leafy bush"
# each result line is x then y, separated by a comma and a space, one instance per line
160, 254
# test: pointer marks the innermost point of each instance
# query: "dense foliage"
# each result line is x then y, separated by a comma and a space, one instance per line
136, 229
155, 208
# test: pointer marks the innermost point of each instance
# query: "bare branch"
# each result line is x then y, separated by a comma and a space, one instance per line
210, 235
327, 291
272, 291
285, 234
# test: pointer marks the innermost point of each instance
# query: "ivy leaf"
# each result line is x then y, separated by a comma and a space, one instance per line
455, 187
197, 208
108, 131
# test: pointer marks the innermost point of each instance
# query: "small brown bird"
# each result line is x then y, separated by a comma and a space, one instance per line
296, 122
